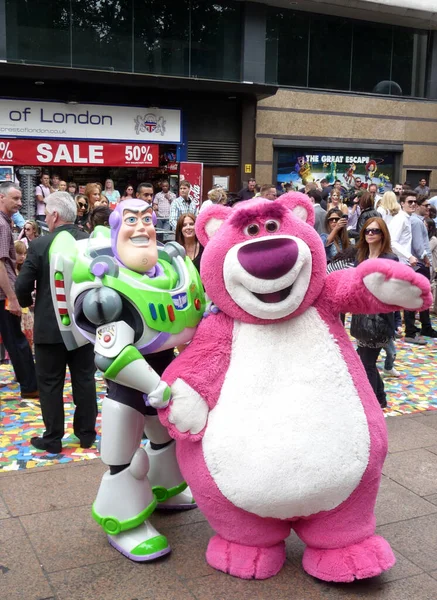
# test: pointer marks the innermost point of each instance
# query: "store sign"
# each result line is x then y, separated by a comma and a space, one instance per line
32, 119
193, 172
78, 154
298, 166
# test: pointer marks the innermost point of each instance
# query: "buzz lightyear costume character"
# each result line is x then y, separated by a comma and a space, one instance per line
131, 300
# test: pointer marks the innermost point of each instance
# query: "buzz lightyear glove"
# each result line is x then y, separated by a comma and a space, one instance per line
160, 397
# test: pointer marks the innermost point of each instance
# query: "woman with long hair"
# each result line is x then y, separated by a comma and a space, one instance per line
367, 211
92, 193
337, 238
335, 201
388, 206
186, 237
379, 332
29, 232
129, 193
82, 211
111, 193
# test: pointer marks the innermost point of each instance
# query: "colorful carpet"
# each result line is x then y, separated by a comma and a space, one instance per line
415, 390
21, 420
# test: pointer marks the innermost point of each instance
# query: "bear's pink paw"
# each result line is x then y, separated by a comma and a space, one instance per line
246, 562
369, 558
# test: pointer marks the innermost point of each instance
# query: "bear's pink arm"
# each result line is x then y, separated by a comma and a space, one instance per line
202, 365
346, 292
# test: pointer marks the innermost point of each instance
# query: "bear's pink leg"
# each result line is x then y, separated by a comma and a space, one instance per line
246, 562
246, 545
342, 545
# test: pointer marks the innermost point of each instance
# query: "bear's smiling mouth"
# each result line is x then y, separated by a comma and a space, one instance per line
273, 297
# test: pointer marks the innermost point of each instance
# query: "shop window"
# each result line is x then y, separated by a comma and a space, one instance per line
102, 34
215, 49
371, 58
38, 32
402, 63
330, 52
287, 48
162, 37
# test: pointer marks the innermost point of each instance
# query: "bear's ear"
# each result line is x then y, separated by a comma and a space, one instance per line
300, 205
210, 220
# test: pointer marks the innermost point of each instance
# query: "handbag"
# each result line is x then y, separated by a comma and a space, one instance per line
371, 328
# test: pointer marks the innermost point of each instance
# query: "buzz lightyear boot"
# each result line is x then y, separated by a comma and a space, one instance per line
168, 485
125, 500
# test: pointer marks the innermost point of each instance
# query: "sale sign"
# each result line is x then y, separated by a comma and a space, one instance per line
51, 152
193, 172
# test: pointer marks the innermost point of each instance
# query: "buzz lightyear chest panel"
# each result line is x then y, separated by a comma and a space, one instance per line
288, 405
90, 289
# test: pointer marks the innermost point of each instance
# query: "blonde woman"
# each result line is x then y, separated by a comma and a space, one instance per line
112, 194
388, 206
215, 196
29, 232
336, 202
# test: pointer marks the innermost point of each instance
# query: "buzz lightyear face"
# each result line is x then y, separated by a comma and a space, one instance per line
136, 240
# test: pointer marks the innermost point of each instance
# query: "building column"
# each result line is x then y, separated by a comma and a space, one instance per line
248, 139
253, 67
3, 30
431, 83
254, 43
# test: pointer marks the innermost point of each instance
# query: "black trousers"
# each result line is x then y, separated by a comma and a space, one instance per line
410, 316
369, 356
51, 361
19, 350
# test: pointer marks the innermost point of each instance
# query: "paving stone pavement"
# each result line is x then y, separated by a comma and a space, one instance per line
50, 548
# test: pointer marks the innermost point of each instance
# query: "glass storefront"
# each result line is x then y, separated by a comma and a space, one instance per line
319, 51
190, 38
198, 38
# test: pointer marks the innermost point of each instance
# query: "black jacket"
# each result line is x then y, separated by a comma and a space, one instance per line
369, 213
36, 268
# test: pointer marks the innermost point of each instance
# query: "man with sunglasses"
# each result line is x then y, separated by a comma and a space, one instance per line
402, 244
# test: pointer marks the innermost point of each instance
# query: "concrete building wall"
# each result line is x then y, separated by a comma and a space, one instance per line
347, 119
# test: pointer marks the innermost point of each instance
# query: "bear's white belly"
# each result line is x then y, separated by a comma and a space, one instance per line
288, 436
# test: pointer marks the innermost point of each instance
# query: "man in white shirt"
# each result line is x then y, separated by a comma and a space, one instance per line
421, 250
41, 192
400, 230
401, 243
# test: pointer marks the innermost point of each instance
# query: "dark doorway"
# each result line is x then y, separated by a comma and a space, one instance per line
413, 177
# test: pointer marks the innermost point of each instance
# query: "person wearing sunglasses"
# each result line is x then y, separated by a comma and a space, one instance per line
29, 232
412, 249
128, 193
374, 242
82, 211
336, 239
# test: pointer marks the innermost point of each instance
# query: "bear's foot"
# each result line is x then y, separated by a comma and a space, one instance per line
246, 562
368, 558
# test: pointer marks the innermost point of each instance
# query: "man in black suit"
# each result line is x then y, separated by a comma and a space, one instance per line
51, 354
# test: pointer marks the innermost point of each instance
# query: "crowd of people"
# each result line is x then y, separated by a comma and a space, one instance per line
354, 224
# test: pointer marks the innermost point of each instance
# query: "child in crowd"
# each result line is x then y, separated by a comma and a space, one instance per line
26, 313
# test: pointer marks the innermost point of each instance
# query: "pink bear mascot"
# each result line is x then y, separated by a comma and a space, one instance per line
277, 427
